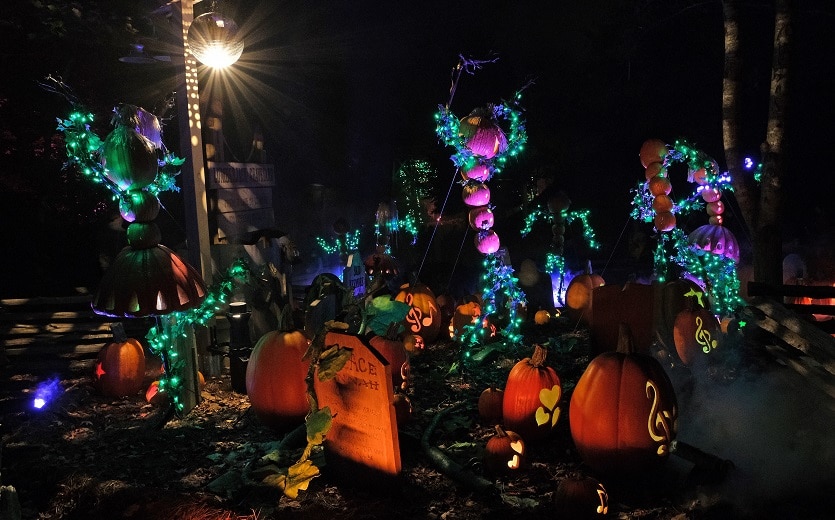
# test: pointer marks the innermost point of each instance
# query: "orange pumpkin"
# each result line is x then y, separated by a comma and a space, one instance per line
275, 378
581, 497
623, 411
120, 368
424, 317
652, 151
490, 405
505, 452
414, 344
671, 298
542, 317
578, 295
465, 314
154, 396
696, 334
532, 394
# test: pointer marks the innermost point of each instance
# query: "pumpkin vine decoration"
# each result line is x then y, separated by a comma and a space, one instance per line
161, 337
710, 252
482, 146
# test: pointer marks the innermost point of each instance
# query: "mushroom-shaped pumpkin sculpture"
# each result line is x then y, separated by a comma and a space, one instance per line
716, 239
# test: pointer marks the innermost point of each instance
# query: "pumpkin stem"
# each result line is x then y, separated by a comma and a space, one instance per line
539, 355
118, 330
285, 319
500, 431
626, 345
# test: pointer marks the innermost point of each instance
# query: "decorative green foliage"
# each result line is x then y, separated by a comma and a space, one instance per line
382, 311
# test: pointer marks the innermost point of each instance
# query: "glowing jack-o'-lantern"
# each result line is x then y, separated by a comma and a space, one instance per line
505, 452
695, 333
581, 497
120, 368
623, 411
424, 317
532, 394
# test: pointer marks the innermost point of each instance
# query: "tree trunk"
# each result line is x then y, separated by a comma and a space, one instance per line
761, 206
768, 239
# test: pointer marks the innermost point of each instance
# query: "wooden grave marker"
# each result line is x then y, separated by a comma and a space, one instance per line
363, 437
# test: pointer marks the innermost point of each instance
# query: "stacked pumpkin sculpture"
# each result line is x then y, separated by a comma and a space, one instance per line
623, 411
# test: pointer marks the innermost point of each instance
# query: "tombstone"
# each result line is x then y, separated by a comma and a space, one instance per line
362, 442
353, 275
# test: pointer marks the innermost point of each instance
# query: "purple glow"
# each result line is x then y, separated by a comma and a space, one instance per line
748, 163
45, 392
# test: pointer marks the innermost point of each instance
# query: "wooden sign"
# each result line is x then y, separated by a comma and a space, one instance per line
362, 441
232, 225
353, 275
221, 175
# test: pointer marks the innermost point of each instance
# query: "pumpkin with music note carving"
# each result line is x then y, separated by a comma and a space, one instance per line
623, 411
424, 318
696, 334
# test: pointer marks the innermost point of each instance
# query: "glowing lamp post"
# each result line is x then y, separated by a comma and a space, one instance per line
214, 40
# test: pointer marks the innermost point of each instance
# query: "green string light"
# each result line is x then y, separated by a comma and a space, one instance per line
162, 337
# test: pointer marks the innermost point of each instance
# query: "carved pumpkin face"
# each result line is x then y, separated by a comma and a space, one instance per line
623, 411
120, 368
424, 317
532, 394
505, 452
275, 379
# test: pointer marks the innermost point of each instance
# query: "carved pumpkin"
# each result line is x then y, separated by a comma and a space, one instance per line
482, 134
120, 368
578, 295
712, 238
476, 194
542, 317
154, 396
623, 411
395, 353
275, 377
696, 334
671, 298
532, 394
424, 318
414, 344
580, 497
403, 409
505, 452
490, 405
465, 314
481, 218
487, 242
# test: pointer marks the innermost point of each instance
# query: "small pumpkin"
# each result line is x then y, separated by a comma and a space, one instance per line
696, 334
480, 172
578, 295
120, 367
403, 409
275, 376
487, 242
672, 297
139, 206
581, 497
475, 194
504, 453
414, 344
532, 395
623, 411
490, 405
465, 314
154, 396
424, 317
652, 151
542, 317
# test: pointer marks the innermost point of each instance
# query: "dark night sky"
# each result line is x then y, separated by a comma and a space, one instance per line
344, 91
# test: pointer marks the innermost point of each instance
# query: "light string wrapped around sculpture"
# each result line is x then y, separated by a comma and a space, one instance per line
710, 252
482, 148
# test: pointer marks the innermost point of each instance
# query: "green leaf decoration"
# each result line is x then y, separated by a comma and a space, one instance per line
382, 311
332, 360
297, 479
318, 424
